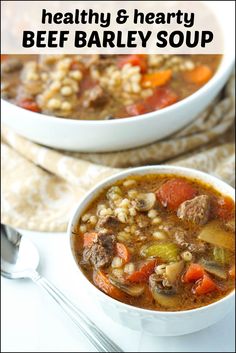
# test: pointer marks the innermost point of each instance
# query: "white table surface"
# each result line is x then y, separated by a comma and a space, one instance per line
31, 322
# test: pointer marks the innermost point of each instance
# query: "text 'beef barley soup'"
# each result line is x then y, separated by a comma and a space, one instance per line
95, 87
159, 242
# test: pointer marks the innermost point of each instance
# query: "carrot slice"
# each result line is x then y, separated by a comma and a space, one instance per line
194, 272
199, 75
175, 191
204, 286
103, 283
123, 252
143, 273
156, 79
29, 105
89, 238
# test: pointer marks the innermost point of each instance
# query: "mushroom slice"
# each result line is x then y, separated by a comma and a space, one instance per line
214, 268
173, 271
166, 297
134, 290
145, 201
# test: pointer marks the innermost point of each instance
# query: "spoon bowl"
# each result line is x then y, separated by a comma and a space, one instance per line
20, 259
19, 256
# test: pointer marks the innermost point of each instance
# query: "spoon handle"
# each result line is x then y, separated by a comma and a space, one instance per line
98, 338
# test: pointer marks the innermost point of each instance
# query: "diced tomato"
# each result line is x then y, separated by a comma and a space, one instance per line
162, 97
204, 286
193, 273
123, 252
89, 238
29, 104
103, 283
133, 60
175, 191
223, 208
143, 273
136, 109
86, 84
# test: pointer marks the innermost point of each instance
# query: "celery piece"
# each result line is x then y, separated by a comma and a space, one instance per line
166, 251
222, 256
214, 268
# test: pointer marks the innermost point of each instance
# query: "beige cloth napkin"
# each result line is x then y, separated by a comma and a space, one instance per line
40, 186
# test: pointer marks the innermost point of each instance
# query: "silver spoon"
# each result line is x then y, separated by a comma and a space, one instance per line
20, 259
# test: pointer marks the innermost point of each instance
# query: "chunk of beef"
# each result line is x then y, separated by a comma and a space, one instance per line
108, 222
198, 247
11, 65
95, 97
182, 238
101, 251
161, 285
104, 61
154, 280
196, 210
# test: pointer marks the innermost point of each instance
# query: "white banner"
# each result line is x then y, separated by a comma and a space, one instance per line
115, 27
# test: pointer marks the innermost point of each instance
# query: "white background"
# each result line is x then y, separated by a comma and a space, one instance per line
31, 322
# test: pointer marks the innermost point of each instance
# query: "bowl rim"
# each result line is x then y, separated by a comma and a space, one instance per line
225, 65
152, 169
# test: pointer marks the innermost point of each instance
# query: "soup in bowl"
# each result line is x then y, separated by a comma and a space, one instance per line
157, 244
103, 87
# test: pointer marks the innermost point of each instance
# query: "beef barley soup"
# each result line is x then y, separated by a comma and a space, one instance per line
158, 242
96, 87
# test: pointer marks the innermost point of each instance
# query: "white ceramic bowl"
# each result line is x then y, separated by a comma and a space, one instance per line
155, 322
